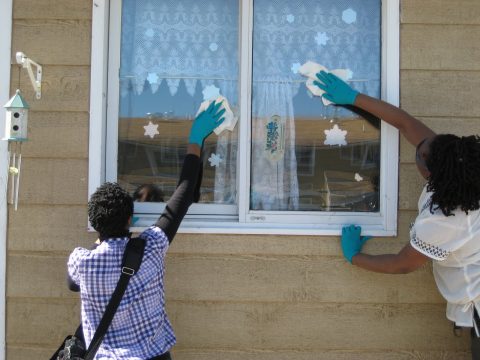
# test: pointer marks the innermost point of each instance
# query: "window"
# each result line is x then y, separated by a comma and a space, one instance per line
292, 164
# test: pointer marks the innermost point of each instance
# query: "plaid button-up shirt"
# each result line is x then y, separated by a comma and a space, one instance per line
140, 328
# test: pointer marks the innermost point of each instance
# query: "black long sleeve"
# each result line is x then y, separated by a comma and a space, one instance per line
187, 192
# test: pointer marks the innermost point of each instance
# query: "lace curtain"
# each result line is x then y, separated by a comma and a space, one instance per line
195, 41
286, 34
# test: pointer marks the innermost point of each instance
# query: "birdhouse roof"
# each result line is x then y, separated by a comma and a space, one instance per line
17, 101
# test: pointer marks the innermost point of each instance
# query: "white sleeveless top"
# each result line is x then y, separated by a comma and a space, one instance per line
453, 242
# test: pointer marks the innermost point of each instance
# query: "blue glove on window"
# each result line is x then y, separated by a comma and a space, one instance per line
336, 90
205, 123
352, 242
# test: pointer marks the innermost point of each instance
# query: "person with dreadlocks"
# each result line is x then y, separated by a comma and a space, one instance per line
140, 328
447, 228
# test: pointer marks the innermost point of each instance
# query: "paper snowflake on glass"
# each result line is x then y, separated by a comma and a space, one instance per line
358, 177
151, 130
321, 38
290, 18
215, 159
149, 33
335, 136
213, 47
211, 92
295, 67
349, 16
152, 78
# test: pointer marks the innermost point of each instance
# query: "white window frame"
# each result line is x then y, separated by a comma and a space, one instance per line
106, 25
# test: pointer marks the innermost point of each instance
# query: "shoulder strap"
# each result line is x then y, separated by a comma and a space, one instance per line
132, 258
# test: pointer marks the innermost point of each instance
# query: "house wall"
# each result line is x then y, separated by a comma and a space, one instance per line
234, 297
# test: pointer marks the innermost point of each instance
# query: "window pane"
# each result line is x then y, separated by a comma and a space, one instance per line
174, 55
307, 156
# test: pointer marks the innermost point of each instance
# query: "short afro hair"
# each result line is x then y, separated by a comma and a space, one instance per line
109, 209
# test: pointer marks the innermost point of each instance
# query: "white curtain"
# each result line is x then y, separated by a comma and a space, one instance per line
334, 33
197, 41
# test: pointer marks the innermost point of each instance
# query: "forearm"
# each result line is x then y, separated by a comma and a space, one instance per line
413, 129
194, 149
184, 194
387, 263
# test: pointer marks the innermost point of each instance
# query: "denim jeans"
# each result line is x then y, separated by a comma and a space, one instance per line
165, 356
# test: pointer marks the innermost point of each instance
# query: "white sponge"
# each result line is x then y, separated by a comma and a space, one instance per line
230, 119
310, 69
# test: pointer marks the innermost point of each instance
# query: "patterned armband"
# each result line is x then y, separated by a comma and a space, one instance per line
428, 249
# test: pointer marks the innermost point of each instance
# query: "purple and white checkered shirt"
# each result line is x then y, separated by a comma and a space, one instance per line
140, 329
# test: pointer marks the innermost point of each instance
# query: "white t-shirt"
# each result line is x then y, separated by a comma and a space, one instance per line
453, 242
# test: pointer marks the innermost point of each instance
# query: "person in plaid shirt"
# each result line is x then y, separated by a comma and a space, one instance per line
140, 329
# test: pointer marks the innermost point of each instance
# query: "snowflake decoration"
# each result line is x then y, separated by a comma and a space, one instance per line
151, 130
213, 47
295, 67
211, 92
290, 18
349, 16
321, 38
358, 177
215, 159
149, 33
152, 78
335, 136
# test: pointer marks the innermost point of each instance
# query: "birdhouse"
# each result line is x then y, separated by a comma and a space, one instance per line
17, 118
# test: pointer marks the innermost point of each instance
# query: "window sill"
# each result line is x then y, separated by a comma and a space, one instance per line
224, 226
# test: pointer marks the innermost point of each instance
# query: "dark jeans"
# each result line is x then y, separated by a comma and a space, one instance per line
475, 347
165, 356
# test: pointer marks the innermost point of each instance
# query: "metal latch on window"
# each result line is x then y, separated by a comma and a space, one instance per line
257, 218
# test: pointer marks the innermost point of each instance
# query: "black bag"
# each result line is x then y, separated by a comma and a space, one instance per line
73, 347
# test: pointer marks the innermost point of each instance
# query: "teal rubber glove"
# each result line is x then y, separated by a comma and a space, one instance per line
352, 242
336, 90
205, 123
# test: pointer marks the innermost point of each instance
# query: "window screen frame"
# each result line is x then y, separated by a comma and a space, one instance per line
213, 218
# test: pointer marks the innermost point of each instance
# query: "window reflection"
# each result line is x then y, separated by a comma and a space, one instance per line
307, 156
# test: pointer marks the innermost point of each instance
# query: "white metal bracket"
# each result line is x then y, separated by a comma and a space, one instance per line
27, 63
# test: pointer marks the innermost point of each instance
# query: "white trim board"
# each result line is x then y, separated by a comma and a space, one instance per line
6, 11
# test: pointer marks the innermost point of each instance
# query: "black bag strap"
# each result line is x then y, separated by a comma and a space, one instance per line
132, 258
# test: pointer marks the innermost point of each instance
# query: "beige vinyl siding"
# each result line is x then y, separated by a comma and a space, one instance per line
235, 297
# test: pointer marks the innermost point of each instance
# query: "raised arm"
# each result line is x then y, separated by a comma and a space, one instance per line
190, 176
339, 92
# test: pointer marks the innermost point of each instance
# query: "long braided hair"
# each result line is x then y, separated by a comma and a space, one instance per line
454, 165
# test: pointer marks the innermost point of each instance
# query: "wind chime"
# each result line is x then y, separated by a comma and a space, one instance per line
16, 122
16, 134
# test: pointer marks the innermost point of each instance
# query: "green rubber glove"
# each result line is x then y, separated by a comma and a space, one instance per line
352, 242
205, 123
336, 90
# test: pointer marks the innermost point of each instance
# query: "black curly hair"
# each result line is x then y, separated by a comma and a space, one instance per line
454, 166
109, 210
